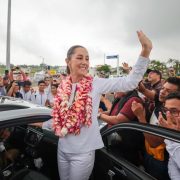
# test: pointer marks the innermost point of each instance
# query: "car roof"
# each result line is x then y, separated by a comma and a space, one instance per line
13, 108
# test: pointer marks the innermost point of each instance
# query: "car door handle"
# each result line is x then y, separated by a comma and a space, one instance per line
111, 174
120, 171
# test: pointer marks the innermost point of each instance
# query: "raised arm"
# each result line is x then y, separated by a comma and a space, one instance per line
23, 74
145, 43
130, 82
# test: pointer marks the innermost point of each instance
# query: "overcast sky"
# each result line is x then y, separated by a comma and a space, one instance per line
47, 28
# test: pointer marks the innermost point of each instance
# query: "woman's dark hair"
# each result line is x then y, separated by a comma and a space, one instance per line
70, 53
175, 81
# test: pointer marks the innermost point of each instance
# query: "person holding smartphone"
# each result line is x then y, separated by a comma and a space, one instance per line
13, 90
20, 75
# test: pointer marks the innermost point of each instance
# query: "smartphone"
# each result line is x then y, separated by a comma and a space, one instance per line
164, 115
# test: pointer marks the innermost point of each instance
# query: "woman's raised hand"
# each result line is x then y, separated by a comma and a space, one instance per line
146, 44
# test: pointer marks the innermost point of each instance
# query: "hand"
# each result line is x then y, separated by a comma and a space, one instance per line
146, 44
14, 84
141, 87
138, 110
4, 133
38, 124
170, 123
102, 99
125, 66
100, 110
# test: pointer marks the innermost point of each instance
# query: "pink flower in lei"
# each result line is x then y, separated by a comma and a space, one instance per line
70, 118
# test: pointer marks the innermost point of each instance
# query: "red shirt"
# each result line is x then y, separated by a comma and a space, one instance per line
126, 110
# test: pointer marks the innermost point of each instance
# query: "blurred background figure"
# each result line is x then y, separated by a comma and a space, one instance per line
6, 82
26, 90
40, 96
13, 90
2, 88
47, 81
126, 68
51, 95
171, 72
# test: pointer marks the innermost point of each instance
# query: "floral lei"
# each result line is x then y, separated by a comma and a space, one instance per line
70, 118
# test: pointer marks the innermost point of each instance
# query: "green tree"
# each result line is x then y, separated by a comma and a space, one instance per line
105, 68
158, 65
175, 63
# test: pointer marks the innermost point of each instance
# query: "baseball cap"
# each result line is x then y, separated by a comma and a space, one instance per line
155, 71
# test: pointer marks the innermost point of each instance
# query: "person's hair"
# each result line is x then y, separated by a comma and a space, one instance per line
70, 52
41, 81
27, 83
175, 81
55, 85
174, 95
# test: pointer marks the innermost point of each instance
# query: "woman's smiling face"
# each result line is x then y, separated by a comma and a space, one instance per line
79, 62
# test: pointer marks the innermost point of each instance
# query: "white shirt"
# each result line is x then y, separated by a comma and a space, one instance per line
26, 95
39, 98
89, 138
173, 149
47, 90
154, 120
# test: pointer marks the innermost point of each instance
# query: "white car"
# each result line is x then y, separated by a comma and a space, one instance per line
29, 153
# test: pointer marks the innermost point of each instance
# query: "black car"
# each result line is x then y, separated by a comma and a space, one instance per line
29, 152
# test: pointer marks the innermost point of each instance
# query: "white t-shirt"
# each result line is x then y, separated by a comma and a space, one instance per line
154, 120
39, 98
47, 90
173, 149
89, 138
26, 95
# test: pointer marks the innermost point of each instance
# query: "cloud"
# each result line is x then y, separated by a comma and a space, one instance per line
47, 29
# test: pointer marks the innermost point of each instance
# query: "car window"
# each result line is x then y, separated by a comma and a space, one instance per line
134, 147
21, 145
126, 143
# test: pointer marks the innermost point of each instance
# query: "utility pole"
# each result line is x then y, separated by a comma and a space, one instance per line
8, 42
117, 65
104, 58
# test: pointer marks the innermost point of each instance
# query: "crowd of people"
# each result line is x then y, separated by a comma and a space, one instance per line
78, 100
20, 86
